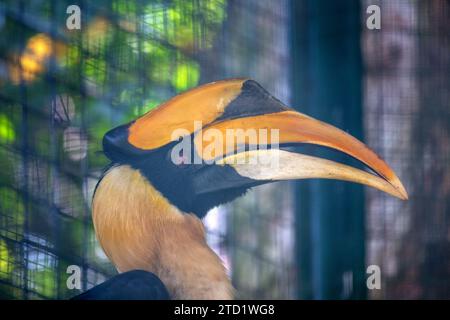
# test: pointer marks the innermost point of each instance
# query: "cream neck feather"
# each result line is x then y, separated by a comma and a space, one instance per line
139, 229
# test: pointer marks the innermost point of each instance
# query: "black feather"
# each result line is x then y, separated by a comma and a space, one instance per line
131, 285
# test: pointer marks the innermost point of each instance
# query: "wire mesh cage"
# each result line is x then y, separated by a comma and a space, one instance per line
62, 89
407, 120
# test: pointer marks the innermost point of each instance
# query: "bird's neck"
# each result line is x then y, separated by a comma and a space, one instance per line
139, 229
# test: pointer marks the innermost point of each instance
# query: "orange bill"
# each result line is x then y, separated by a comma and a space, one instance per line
228, 118
202, 104
290, 127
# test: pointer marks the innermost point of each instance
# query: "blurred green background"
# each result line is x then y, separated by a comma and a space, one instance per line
61, 90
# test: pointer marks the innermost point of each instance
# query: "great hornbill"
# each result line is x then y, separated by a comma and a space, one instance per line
148, 205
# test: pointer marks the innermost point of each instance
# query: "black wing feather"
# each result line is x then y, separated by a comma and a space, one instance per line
131, 285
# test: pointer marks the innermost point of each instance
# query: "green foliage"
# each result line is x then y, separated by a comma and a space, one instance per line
120, 67
44, 281
186, 75
6, 260
7, 132
95, 69
7, 166
12, 213
184, 21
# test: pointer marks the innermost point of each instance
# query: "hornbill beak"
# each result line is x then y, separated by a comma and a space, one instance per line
240, 105
295, 127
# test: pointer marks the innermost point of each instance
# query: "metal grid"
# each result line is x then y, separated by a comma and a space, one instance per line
260, 226
61, 90
407, 120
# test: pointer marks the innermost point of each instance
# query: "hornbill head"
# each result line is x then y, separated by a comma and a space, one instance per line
209, 145
202, 148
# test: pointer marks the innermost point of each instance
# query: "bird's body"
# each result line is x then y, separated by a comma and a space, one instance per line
147, 207
139, 229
